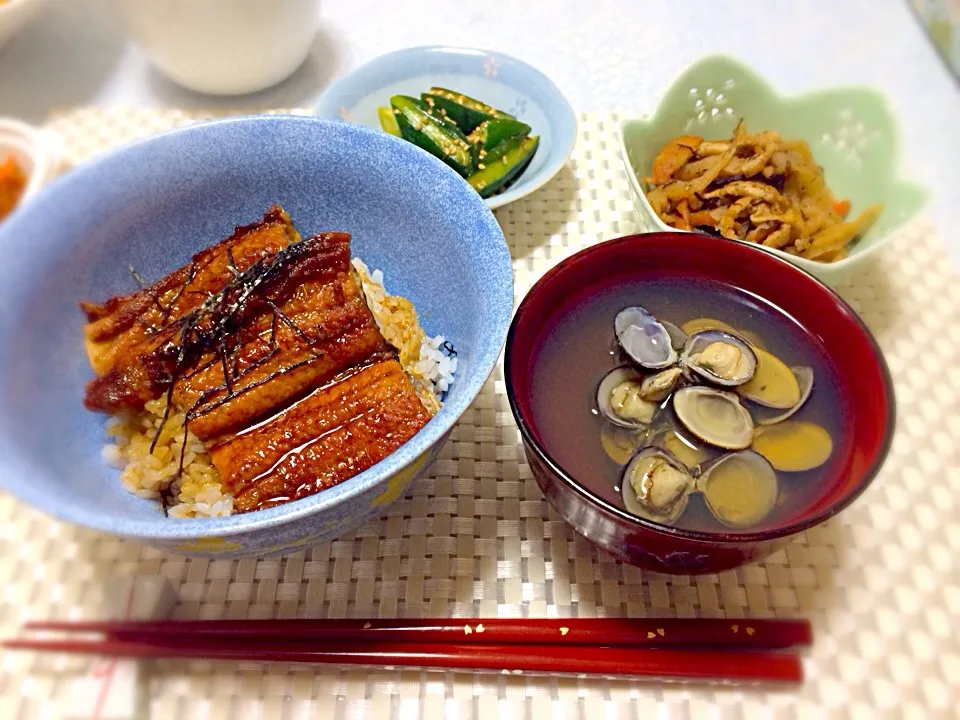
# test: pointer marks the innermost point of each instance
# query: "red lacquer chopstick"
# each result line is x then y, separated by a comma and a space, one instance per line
661, 664
673, 632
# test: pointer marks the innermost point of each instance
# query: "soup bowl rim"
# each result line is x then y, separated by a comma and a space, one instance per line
715, 537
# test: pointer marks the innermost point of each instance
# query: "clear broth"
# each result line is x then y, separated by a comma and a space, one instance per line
581, 349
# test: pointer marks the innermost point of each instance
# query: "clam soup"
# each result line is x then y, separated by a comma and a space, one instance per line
690, 403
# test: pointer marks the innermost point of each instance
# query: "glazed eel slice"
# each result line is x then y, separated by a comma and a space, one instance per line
318, 327
337, 431
123, 334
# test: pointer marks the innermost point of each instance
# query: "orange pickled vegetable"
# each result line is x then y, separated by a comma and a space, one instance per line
703, 218
12, 183
673, 156
684, 209
841, 207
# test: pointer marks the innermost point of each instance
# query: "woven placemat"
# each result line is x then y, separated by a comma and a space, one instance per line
475, 537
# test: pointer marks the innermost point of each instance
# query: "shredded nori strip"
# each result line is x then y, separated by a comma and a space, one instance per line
136, 276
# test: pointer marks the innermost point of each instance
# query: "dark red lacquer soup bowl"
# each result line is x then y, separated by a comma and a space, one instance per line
862, 398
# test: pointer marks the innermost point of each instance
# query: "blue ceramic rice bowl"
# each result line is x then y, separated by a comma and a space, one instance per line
152, 205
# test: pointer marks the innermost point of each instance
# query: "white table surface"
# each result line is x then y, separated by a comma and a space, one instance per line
605, 55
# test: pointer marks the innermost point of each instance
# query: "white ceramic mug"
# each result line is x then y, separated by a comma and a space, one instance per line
223, 47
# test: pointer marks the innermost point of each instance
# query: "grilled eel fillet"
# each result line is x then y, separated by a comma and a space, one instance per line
301, 393
340, 429
124, 334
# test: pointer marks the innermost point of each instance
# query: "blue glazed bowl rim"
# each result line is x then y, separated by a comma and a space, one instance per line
164, 528
525, 184
715, 538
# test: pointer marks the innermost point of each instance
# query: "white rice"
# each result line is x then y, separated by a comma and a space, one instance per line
198, 492
436, 365
153, 475
424, 358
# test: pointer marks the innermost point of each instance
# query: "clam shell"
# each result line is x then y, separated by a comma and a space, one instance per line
644, 411
687, 451
773, 384
656, 388
700, 324
656, 486
678, 338
620, 443
714, 416
793, 446
740, 489
644, 339
804, 376
745, 364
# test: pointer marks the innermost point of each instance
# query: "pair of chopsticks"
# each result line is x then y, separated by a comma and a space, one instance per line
706, 650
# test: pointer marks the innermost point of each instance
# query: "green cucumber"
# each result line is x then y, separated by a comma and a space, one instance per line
425, 131
491, 133
491, 177
388, 121
470, 102
466, 112
431, 107
500, 150
447, 124
454, 130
